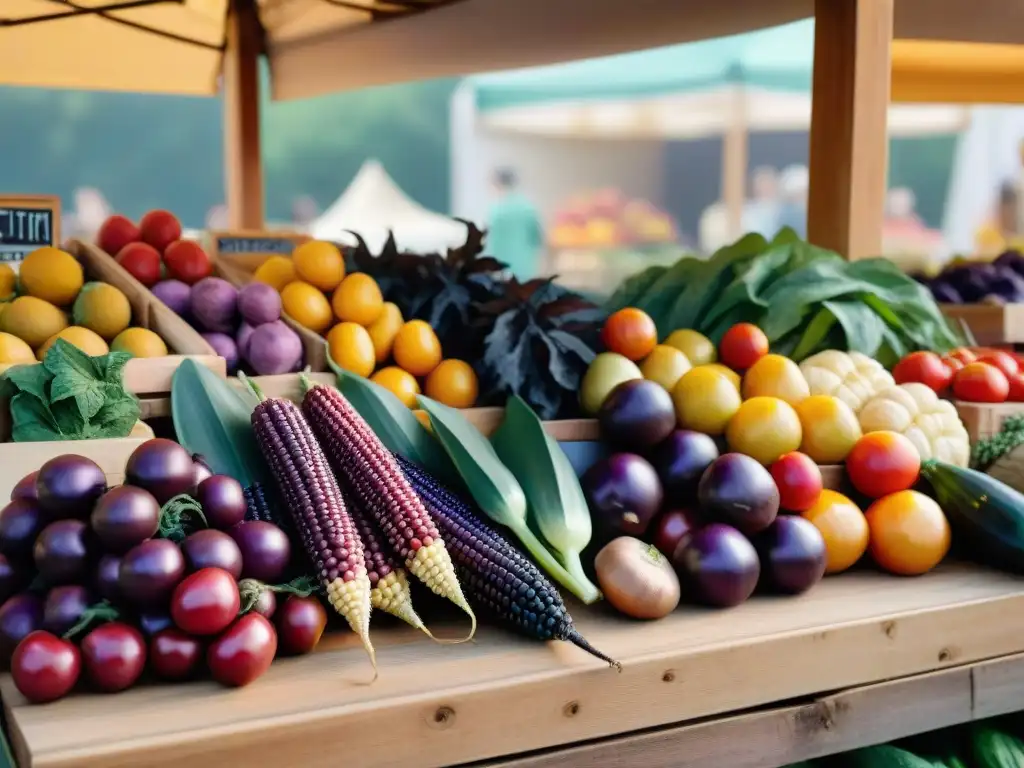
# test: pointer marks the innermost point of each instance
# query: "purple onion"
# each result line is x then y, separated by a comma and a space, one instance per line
69, 485
259, 303
11, 579
20, 524
105, 579
26, 488
125, 516
225, 347
175, 294
64, 606
242, 338
223, 501
63, 552
266, 550
150, 572
19, 615
209, 548
162, 467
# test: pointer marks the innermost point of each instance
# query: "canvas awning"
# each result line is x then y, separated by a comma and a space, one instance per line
373, 205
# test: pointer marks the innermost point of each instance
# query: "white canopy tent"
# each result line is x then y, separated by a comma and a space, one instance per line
373, 205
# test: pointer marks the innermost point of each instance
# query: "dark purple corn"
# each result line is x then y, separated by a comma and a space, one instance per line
318, 510
498, 577
380, 489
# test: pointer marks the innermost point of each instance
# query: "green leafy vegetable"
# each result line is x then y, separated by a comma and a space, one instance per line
70, 396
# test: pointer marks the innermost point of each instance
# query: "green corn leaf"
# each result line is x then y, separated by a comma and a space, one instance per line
556, 506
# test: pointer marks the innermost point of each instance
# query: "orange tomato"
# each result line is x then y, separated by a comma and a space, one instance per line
883, 462
843, 527
401, 384
358, 300
351, 348
631, 333
416, 348
742, 346
909, 533
453, 383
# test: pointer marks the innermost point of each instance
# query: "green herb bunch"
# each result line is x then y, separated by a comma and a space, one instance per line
70, 396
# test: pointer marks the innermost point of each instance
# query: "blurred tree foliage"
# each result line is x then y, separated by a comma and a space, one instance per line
144, 151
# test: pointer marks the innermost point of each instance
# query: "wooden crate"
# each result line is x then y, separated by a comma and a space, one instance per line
985, 419
990, 324
148, 376
314, 346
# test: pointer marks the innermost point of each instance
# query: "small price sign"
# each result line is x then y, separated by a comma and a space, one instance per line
27, 222
250, 249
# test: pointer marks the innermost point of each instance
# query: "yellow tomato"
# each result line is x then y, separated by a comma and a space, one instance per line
350, 348
776, 376
705, 400
844, 528
909, 533
453, 383
277, 272
764, 428
401, 384
830, 428
358, 300
696, 346
416, 348
665, 366
306, 305
729, 373
89, 342
384, 329
319, 263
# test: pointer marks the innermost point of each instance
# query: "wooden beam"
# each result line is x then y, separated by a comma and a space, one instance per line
849, 142
243, 164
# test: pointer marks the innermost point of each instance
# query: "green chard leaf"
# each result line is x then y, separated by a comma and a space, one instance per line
862, 327
112, 367
814, 333
117, 417
31, 420
32, 379
69, 418
75, 376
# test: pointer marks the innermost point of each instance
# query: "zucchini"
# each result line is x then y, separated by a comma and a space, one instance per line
988, 515
996, 749
884, 756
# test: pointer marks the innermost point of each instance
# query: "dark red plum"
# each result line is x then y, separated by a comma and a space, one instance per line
680, 460
19, 615
739, 491
68, 486
105, 579
64, 607
623, 493
162, 467
212, 549
26, 488
719, 566
636, 415
64, 553
300, 623
12, 578
223, 501
174, 655
149, 573
202, 469
793, 556
125, 516
673, 528
265, 549
20, 523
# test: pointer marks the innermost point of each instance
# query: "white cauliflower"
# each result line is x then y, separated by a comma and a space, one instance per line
851, 376
914, 410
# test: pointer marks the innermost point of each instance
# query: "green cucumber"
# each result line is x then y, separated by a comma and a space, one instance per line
996, 749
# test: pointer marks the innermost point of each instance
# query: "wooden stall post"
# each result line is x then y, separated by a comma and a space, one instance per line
243, 164
734, 162
849, 139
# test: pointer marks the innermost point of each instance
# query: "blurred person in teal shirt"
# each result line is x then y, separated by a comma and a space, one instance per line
514, 233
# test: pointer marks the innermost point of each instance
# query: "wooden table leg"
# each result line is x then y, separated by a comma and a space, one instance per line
849, 141
243, 166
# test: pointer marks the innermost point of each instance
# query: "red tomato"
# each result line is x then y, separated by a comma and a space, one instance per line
142, 262
882, 463
1016, 393
300, 622
954, 364
206, 602
924, 368
798, 479
1001, 360
963, 354
981, 383
159, 229
45, 667
630, 332
742, 346
173, 655
114, 656
187, 261
243, 652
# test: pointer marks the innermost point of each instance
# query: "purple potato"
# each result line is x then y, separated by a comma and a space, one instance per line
266, 550
11, 579
242, 338
259, 303
69, 485
792, 553
150, 572
214, 304
680, 461
719, 566
202, 470
20, 524
637, 415
125, 516
19, 615
175, 294
26, 488
225, 347
105, 579
739, 491
623, 493
157, 621
64, 552
274, 348
212, 549
64, 607
266, 604
223, 501
162, 467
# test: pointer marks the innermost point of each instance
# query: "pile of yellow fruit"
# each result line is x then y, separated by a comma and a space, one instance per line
364, 332
48, 299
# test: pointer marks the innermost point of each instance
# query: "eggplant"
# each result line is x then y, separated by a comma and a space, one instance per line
1007, 284
944, 293
1012, 259
971, 280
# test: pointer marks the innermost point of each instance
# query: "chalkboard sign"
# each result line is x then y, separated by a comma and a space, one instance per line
27, 222
253, 248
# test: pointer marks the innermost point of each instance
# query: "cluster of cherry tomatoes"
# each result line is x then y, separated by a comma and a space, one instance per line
978, 375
